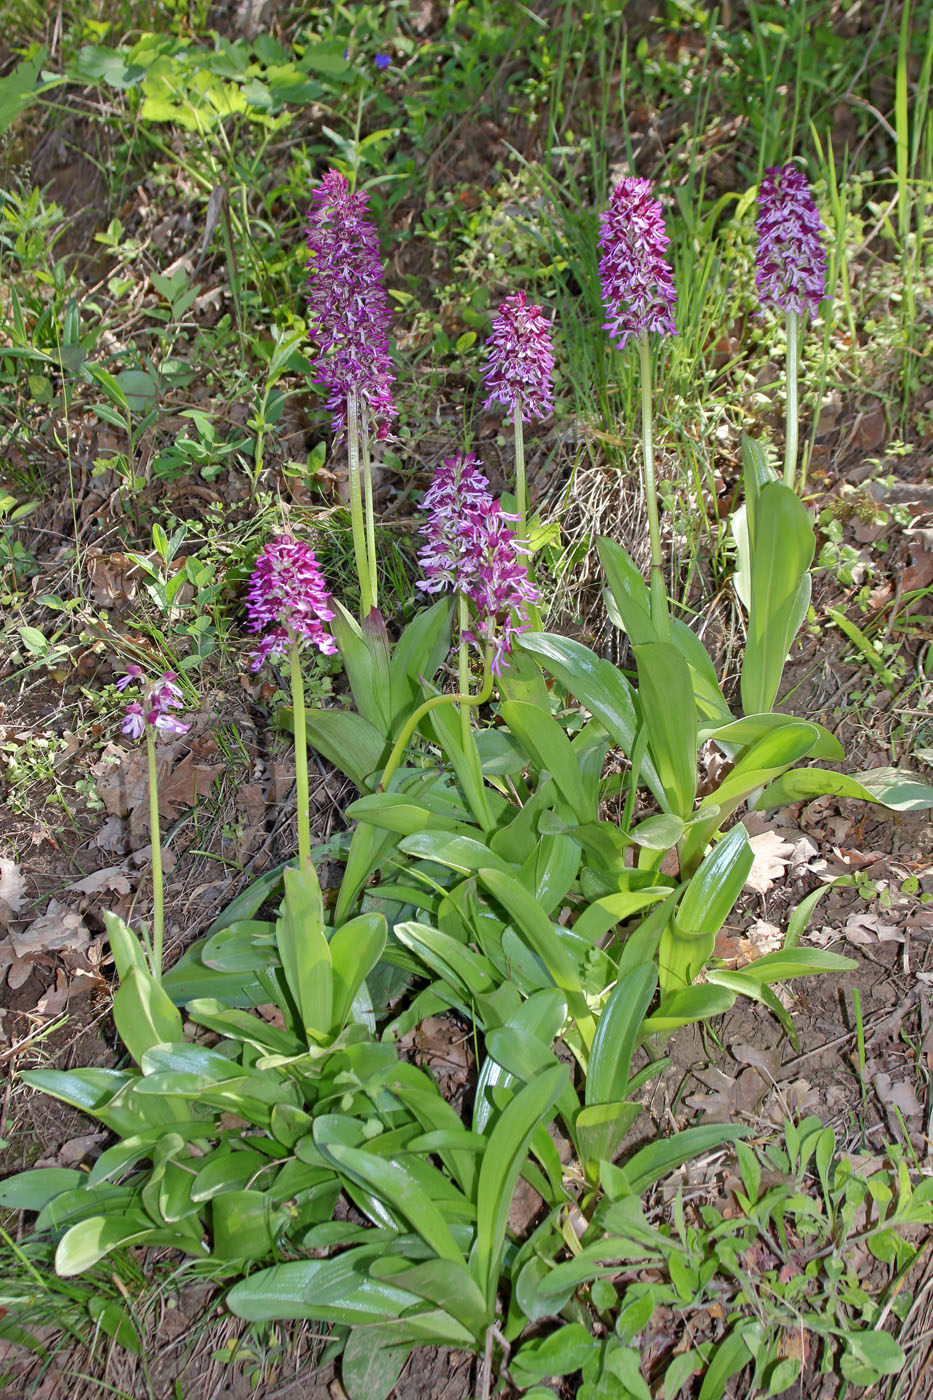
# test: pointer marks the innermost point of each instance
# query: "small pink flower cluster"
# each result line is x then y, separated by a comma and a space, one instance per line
470, 548
159, 699
521, 360
347, 303
287, 593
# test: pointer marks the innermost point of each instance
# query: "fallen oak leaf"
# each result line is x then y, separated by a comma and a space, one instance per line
58, 928
771, 855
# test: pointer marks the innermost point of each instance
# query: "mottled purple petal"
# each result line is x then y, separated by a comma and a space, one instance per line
287, 594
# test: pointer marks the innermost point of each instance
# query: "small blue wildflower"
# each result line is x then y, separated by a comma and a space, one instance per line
382, 60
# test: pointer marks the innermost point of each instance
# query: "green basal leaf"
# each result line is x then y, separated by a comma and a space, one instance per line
304, 951
143, 1014
887, 786
666, 694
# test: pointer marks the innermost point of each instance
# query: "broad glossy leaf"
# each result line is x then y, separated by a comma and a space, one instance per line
368, 848
556, 1354
372, 1362
467, 971
225, 1170
657, 1160
797, 962
90, 1240
900, 791
540, 934
355, 948
714, 888
542, 737
500, 1170
782, 547
393, 1183
599, 686
669, 710
124, 945
659, 833
743, 732
329, 1290
617, 1035
365, 655
240, 1025
731, 1355
628, 591
458, 852
603, 914
348, 741
304, 950
32, 1190
245, 946
444, 724
393, 812
599, 1131
447, 1284
143, 1014
683, 1007
245, 1225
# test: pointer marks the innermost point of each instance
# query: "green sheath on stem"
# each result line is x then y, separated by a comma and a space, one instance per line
357, 525
659, 612
790, 430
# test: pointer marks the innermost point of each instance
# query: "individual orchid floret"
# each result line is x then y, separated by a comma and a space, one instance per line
637, 283
287, 594
155, 708
348, 307
521, 360
458, 486
790, 260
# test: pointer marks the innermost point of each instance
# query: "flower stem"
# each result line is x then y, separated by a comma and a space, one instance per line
301, 758
463, 667
791, 424
425, 708
158, 894
521, 490
659, 611
370, 516
357, 525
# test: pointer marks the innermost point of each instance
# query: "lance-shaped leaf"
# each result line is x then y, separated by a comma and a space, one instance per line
416, 656
782, 549
902, 792
542, 737
502, 1164
303, 948
671, 721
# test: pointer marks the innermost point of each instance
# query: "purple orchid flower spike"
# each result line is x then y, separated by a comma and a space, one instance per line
637, 283
471, 549
521, 360
347, 303
154, 710
287, 594
790, 259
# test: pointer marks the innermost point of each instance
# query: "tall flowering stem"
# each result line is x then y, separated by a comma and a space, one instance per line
639, 298
149, 715
520, 376
287, 595
790, 274
349, 319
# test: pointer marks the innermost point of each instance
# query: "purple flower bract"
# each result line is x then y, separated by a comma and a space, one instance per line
638, 286
790, 260
287, 594
521, 359
348, 307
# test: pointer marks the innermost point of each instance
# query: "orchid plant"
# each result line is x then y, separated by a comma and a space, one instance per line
493, 859
349, 320
150, 715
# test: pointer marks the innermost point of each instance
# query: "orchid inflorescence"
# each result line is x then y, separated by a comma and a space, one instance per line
470, 548
790, 259
287, 594
637, 284
347, 304
521, 360
160, 697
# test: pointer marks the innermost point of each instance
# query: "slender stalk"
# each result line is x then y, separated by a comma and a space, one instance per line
301, 758
357, 525
370, 522
659, 611
425, 708
463, 667
521, 489
158, 896
791, 425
